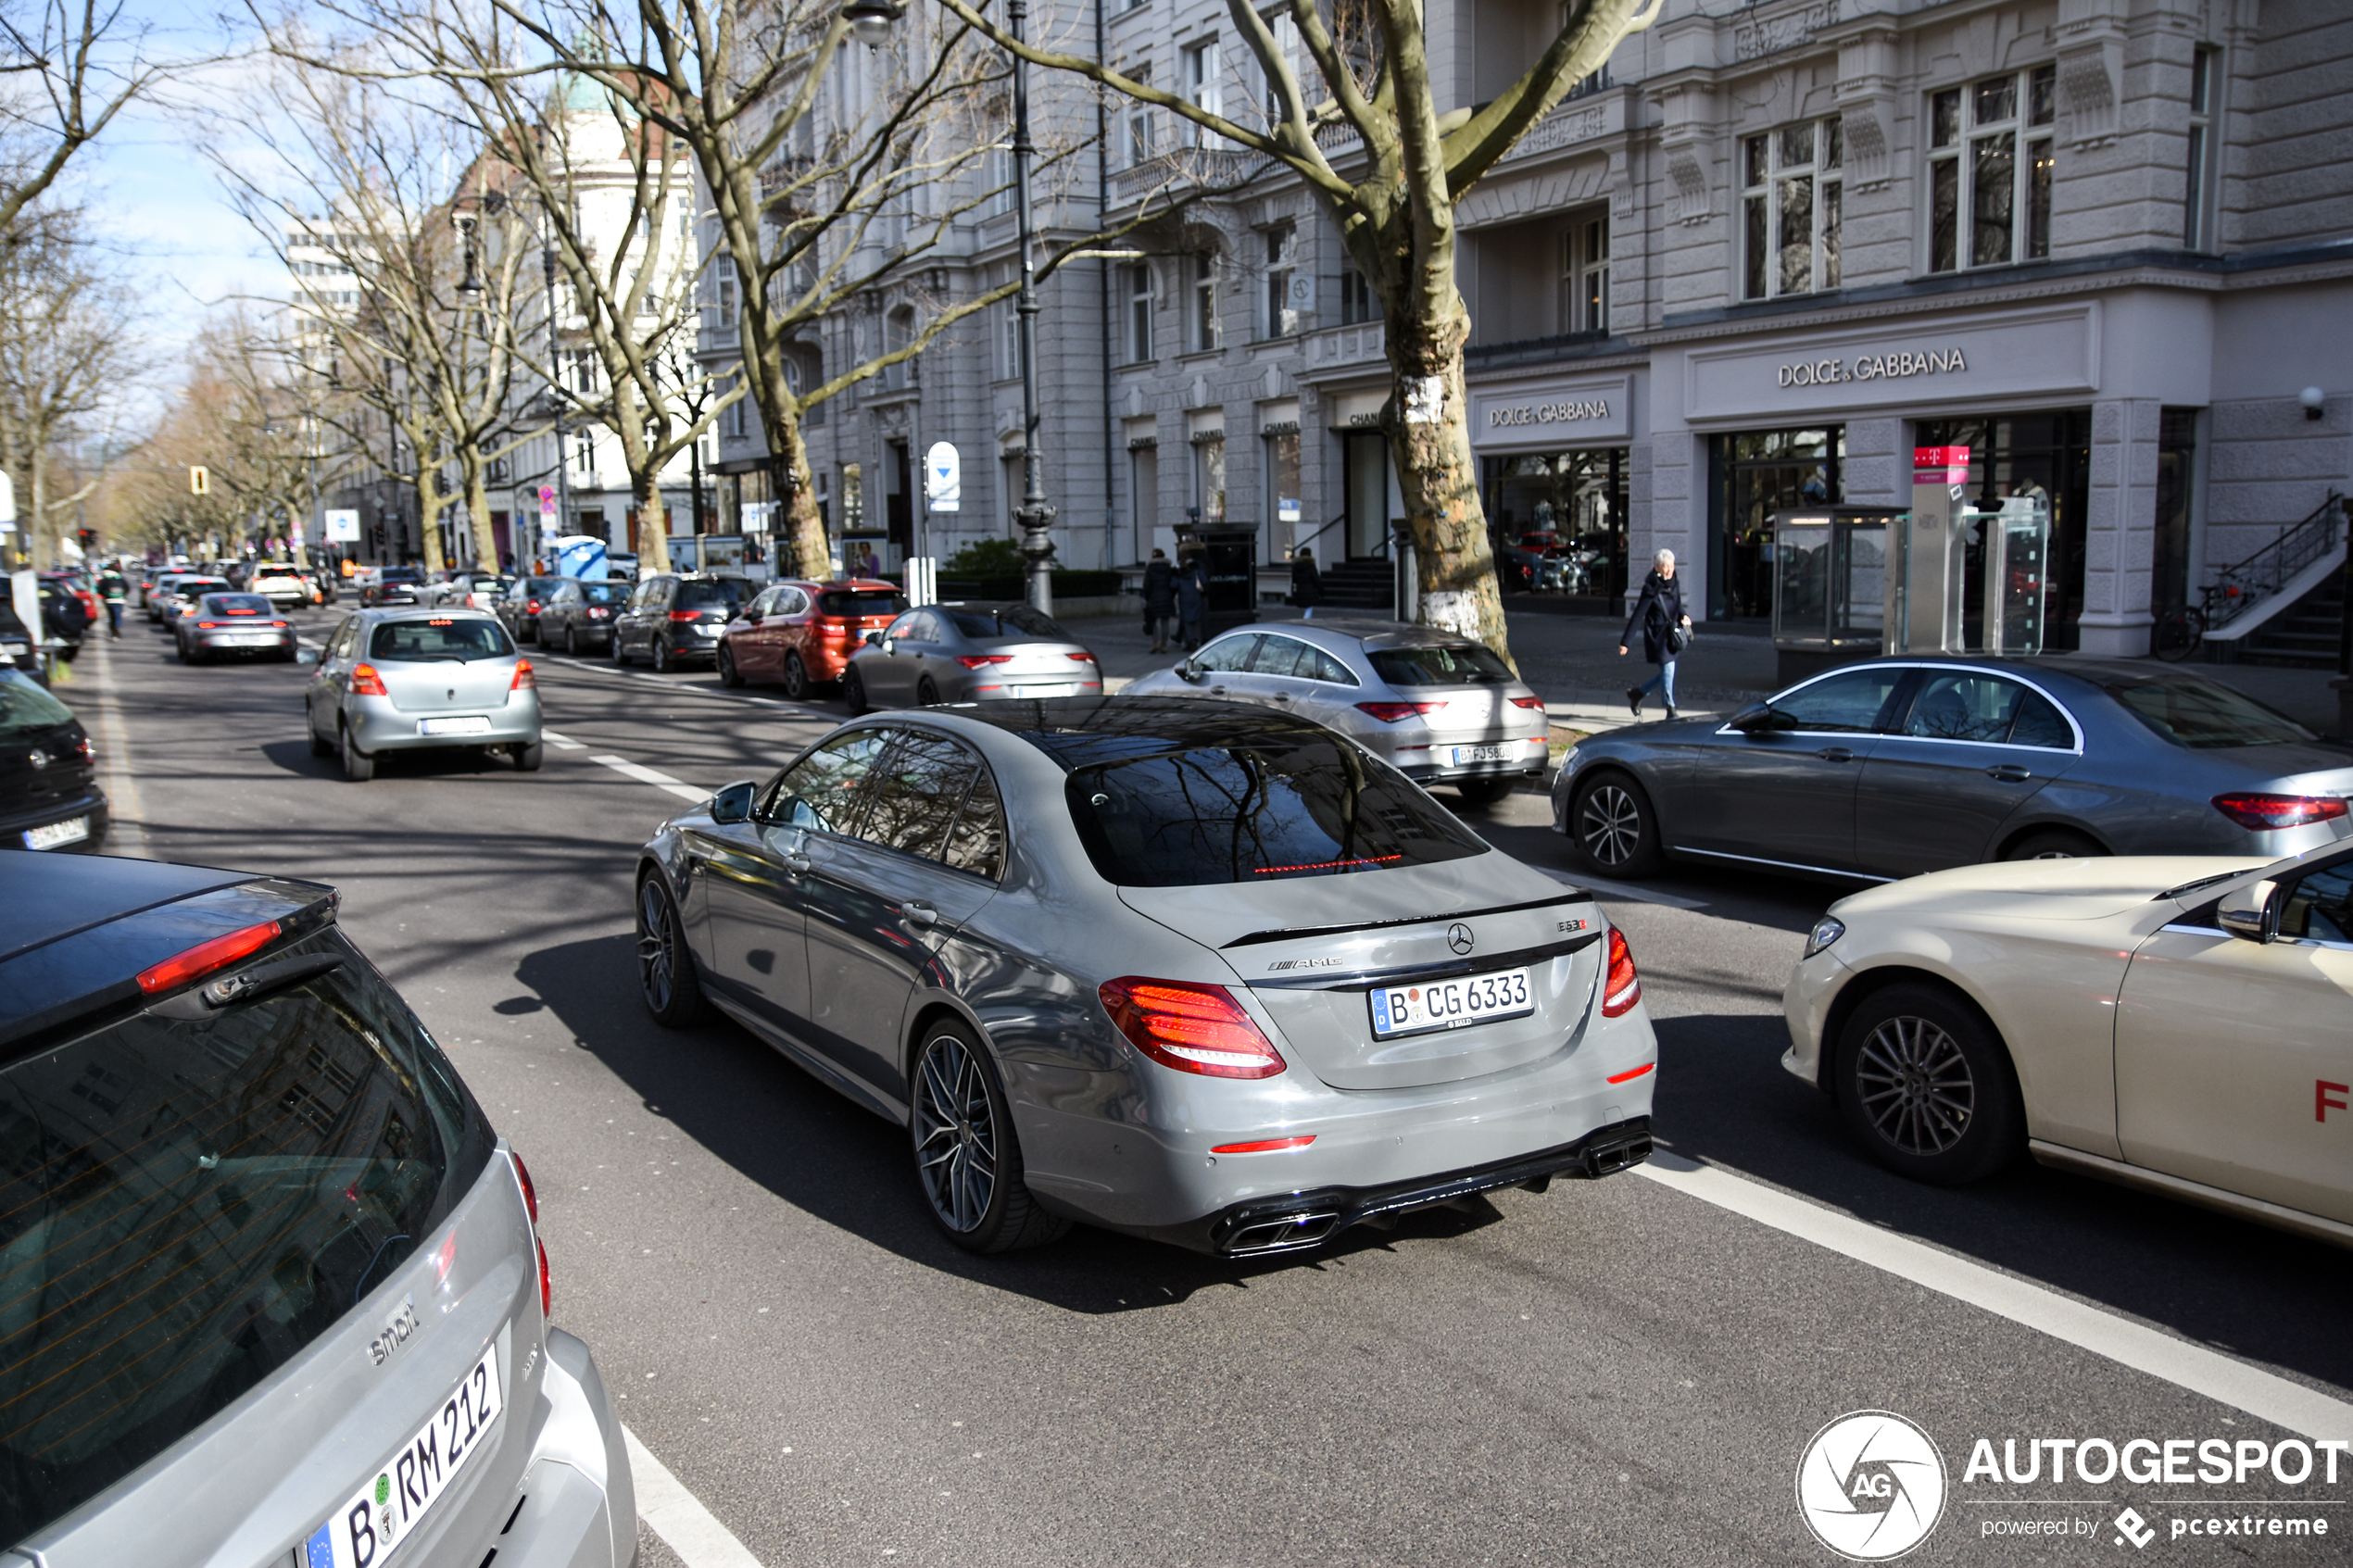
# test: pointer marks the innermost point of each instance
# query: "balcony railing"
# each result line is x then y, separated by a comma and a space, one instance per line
1185, 170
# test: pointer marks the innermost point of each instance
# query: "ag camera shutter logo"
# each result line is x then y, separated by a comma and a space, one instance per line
1870, 1485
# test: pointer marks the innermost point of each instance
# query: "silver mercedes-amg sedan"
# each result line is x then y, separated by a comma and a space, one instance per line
1182, 968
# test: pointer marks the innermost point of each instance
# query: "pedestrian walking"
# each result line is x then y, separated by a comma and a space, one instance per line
1192, 595
1160, 600
871, 564
1665, 628
1306, 582
113, 590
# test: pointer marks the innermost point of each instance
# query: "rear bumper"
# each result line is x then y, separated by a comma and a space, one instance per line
377, 726
1525, 757
579, 1506
90, 803
243, 642
1307, 1218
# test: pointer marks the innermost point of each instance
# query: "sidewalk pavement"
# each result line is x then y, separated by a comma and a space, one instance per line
1572, 662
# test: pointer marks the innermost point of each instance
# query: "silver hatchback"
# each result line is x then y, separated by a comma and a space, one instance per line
968, 653
415, 679
1438, 707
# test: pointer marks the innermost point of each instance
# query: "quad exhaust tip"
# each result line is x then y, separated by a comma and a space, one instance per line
1282, 1233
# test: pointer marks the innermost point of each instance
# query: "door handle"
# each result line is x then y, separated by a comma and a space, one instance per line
1218, 691
2010, 773
918, 911
1835, 754
797, 861
1282, 696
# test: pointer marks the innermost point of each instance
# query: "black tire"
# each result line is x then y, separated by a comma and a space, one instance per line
1485, 792
1926, 1086
728, 674
795, 677
572, 641
612, 646
1614, 826
926, 693
967, 1159
2053, 844
658, 655
358, 766
528, 757
853, 691
666, 976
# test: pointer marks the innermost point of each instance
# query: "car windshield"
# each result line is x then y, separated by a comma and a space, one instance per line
190, 1201
25, 707
419, 640
856, 604
192, 587
1012, 620
403, 574
1447, 664
1258, 812
604, 593
717, 593
237, 603
2204, 715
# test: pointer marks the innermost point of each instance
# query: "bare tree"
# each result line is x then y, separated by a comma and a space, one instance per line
1410, 160
69, 70
66, 348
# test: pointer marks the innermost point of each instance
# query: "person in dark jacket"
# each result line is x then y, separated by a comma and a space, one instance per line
1192, 595
1658, 614
112, 592
1160, 600
1306, 582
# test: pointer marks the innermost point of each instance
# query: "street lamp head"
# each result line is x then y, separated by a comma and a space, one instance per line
871, 21
2315, 402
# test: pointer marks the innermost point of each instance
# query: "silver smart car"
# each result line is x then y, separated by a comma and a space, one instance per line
1440, 708
1187, 970
271, 1290
412, 678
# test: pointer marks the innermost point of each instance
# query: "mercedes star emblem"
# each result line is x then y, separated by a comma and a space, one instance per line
1458, 937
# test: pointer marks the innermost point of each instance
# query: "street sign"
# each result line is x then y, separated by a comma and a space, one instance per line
943, 477
342, 526
546, 500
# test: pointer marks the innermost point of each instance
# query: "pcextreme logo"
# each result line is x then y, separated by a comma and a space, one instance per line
1870, 1485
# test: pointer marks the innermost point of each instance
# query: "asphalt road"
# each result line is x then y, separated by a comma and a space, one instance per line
1609, 1371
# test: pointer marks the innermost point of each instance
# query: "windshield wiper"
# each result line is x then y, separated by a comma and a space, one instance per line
2196, 883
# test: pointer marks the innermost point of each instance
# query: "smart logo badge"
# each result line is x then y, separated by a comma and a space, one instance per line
1870, 1485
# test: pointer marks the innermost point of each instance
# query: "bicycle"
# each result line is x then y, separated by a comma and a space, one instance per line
2177, 632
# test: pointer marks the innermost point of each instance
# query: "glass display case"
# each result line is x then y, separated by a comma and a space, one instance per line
1831, 583
1852, 581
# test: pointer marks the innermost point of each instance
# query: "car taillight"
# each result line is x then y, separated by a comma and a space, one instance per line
2261, 812
547, 1285
208, 626
1082, 658
524, 680
974, 660
205, 957
1534, 703
1392, 712
1189, 1027
685, 615
598, 614
522, 1180
365, 681
1262, 1146
1621, 987
280, 624
531, 606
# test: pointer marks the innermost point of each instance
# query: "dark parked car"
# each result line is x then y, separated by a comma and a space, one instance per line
579, 613
49, 795
1893, 767
275, 1291
673, 620
522, 604
395, 585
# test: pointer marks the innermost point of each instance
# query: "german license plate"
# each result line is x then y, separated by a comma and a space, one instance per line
1053, 688
1451, 1004
73, 830
473, 724
384, 1513
1464, 754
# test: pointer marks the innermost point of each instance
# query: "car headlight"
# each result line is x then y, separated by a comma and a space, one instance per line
1827, 929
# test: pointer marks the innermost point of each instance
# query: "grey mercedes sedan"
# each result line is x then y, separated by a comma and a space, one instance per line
1892, 767
1180, 969
968, 653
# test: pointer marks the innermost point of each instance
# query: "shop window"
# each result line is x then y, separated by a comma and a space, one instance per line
2197, 205
1282, 489
1792, 209
1989, 170
1282, 316
853, 498
1136, 283
1203, 317
1355, 299
1209, 481
1585, 273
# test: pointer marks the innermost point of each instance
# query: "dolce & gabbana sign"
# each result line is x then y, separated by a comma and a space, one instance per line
1549, 414
1874, 367
2029, 353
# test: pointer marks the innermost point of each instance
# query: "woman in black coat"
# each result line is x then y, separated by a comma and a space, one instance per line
1160, 599
1658, 614
1306, 582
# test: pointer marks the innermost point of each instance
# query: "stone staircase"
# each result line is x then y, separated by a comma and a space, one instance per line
1359, 585
2304, 637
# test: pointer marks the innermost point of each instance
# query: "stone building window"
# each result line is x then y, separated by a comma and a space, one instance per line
1792, 209
2197, 206
1201, 318
1282, 311
1136, 285
1585, 273
1989, 170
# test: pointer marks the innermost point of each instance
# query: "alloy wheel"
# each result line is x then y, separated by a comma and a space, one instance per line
955, 1133
657, 946
1914, 1086
796, 678
1610, 824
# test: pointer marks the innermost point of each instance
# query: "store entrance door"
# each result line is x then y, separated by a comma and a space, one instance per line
1756, 475
1373, 496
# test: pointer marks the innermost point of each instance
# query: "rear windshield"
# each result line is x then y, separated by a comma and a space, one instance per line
2204, 715
1451, 664
856, 604
25, 707
399, 640
604, 593
194, 585
1013, 621
188, 1203
237, 604
403, 574
723, 592
1257, 813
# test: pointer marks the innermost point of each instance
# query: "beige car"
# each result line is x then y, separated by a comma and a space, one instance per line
2179, 1024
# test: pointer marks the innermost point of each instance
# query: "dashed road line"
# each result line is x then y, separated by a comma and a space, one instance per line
678, 1516
659, 780
2266, 1396
561, 743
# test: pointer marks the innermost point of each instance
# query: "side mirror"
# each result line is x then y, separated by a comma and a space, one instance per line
307, 655
873, 639
753, 618
2252, 913
1187, 670
1750, 720
733, 803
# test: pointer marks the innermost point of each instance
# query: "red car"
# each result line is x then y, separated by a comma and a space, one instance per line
800, 633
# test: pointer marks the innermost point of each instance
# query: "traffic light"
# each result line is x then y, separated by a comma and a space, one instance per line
200, 480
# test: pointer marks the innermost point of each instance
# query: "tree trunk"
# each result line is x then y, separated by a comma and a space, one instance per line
429, 524
478, 510
804, 526
1438, 475
653, 521
35, 523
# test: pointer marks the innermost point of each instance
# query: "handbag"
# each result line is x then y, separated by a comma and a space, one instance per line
1678, 637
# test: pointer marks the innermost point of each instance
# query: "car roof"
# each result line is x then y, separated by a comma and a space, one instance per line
1368, 632
1081, 731
428, 612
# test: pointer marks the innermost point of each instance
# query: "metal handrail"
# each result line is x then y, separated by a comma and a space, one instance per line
1298, 545
2244, 584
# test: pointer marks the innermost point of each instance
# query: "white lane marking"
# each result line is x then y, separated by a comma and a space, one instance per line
627, 769
2261, 1393
1621, 890
679, 1517
582, 667
122, 790
561, 743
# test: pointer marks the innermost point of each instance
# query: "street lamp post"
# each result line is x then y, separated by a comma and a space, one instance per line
555, 395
